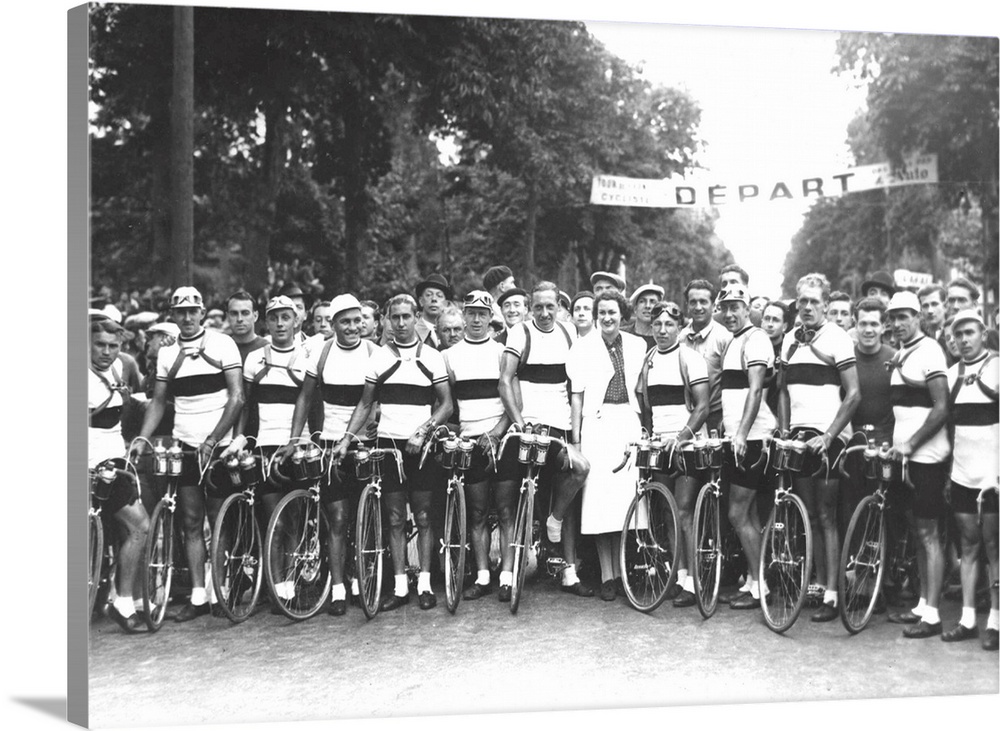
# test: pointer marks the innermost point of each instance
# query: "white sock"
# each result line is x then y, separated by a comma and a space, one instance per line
930, 615
920, 608
830, 597
968, 619
483, 577
424, 582
285, 590
993, 622
338, 592
198, 596
355, 588
137, 604
754, 589
681, 575
506, 578
688, 583
569, 576
553, 528
746, 584
124, 605
402, 587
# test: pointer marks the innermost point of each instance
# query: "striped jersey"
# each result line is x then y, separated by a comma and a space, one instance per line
474, 370
199, 385
104, 432
812, 375
405, 386
277, 377
749, 347
665, 387
341, 384
974, 415
921, 361
542, 375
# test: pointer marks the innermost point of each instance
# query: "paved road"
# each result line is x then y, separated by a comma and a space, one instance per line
558, 652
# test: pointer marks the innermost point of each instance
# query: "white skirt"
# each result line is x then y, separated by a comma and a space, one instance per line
607, 495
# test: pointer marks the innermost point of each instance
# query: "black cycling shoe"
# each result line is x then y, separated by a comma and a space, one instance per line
476, 591
130, 624
427, 600
338, 607
503, 594
190, 611
393, 602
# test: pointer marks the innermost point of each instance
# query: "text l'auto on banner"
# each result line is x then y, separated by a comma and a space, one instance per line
612, 190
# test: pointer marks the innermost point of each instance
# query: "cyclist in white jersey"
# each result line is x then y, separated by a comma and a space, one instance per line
203, 372
474, 372
819, 395
918, 389
535, 389
974, 383
674, 394
409, 380
106, 395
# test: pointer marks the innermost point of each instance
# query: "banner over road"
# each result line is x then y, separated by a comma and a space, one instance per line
703, 191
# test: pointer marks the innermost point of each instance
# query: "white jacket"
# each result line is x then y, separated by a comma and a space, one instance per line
590, 369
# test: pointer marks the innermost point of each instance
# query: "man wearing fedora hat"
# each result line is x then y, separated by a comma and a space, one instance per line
203, 372
432, 294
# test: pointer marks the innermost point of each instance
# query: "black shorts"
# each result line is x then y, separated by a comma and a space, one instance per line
112, 498
430, 478
750, 474
927, 501
339, 483
508, 467
814, 462
964, 499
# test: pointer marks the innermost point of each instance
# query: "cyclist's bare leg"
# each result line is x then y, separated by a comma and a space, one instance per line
336, 513
929, 537
191, 501
921, 554
395, 504
505, 495
743, 517
135, 525
685, 493
827, 493
567, 484
968, 527
991, 526
420, 504
605, 557
478, 496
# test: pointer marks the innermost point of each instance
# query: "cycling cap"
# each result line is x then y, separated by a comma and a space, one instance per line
343, 302
904, 301
965, 316
478, 298
186, 297
281, 302
734, 293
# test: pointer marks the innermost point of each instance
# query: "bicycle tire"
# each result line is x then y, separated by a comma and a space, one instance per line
785, 563
521, 543
237, 558
454, 546
707, 559
96, 545
158, 560
648, 555
862, 565
297, 536
369, 551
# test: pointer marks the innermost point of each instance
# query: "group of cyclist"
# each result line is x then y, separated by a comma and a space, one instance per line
912, 370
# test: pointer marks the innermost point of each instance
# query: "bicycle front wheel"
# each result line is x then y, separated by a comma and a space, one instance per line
298, 564
862, 564
649, 544
785, 563
96, 544
368, 551
707, 560
454, 546
521, 543
158, 561
237, 558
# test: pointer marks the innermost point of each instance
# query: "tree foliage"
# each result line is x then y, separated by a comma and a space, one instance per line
315, 139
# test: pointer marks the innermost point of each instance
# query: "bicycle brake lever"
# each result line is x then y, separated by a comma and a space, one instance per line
628, 453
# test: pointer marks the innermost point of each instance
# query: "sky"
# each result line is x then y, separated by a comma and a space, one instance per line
771, 107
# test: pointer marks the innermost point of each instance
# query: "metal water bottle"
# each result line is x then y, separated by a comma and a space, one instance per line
175, 459
233, 467
248, 463
159, 459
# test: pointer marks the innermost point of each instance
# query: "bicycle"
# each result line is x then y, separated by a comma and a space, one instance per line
159, 555
237, 550
369, 543
534, 443
863, 557
786, 544
650, 537
456, 456
297, 565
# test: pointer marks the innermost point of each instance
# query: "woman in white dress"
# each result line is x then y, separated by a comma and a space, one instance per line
604, 368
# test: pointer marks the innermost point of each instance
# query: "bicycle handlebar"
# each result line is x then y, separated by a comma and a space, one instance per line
515, 430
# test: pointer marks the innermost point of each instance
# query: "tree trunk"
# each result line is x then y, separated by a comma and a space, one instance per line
182, 148
355, 197
258, 244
